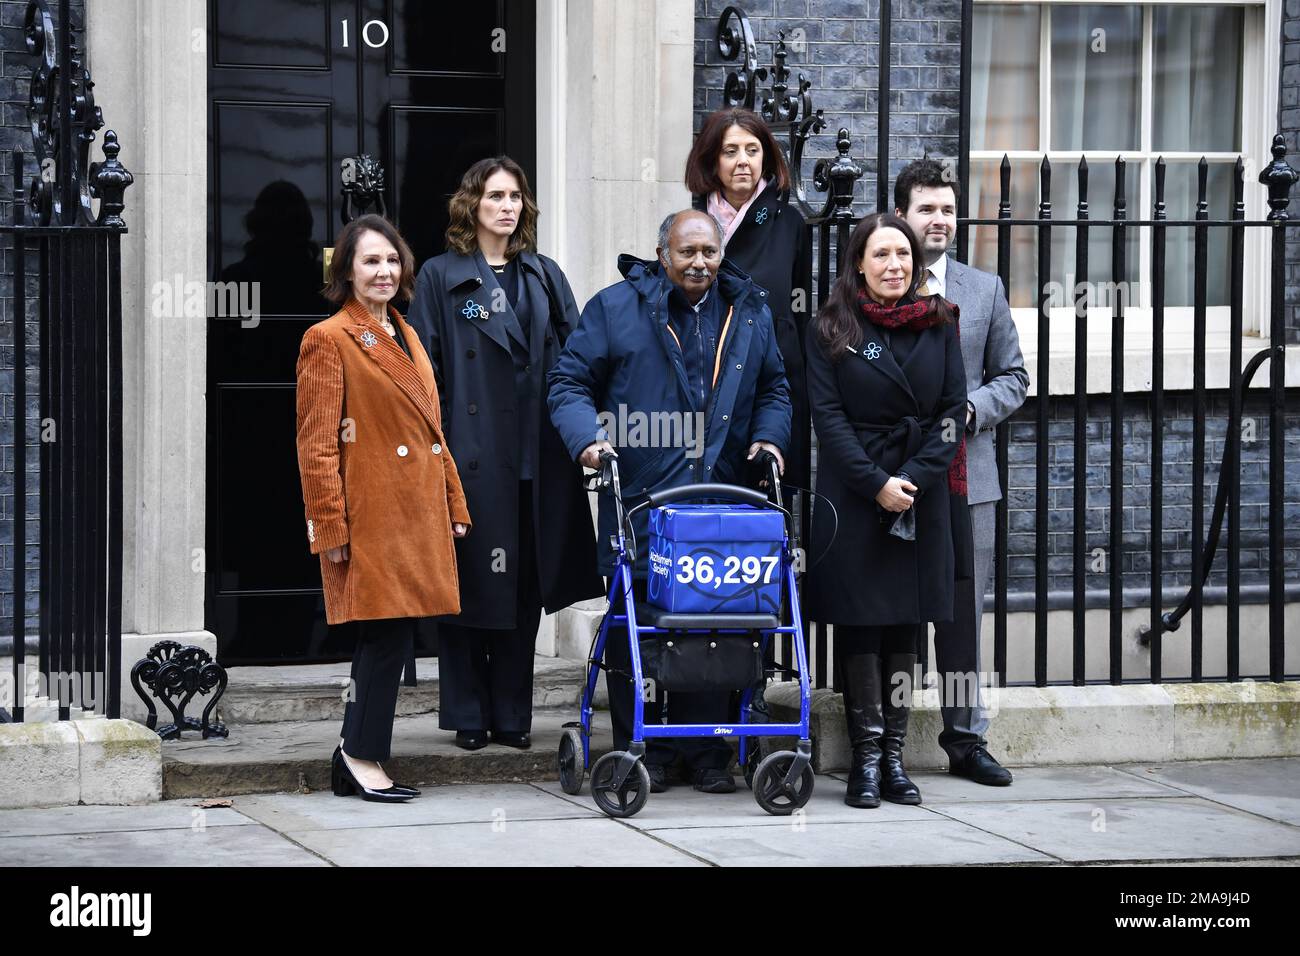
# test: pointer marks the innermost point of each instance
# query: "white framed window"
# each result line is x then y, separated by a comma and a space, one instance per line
1072, 80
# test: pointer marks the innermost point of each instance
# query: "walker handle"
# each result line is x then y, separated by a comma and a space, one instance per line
729, 492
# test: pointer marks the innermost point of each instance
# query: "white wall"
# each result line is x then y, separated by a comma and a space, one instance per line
150, 71
615, 95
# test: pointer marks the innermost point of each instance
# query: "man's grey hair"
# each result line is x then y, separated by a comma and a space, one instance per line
667, 226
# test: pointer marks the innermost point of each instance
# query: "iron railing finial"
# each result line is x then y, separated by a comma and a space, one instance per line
1279, 177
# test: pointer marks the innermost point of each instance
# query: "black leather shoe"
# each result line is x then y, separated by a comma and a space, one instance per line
344, 784
471, 739
979, 765
862, 715
658, 778
713, 781
506, 738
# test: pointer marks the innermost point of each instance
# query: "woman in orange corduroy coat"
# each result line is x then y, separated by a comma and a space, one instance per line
382, 494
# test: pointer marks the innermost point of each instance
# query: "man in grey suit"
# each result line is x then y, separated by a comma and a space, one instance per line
925, 194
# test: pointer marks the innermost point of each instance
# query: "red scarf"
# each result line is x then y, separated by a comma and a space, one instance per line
916, 317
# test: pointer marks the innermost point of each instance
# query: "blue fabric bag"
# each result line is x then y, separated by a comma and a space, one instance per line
715, 559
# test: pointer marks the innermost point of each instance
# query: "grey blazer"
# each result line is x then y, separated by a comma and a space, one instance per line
996, 380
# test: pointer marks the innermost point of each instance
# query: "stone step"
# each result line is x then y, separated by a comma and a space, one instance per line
314, 692
294, 756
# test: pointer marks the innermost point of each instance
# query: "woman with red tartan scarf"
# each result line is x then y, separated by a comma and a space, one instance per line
887, 390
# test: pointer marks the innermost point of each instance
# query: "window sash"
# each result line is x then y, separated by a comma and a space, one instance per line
1260, 66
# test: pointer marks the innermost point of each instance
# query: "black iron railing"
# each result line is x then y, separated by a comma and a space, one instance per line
75, 257
828, 230
1278, 177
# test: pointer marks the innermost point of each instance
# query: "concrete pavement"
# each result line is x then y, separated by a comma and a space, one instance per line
1239, 811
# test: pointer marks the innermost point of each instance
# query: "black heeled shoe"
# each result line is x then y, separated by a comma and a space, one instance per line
471, 739
403, 788
509, 738
345, 784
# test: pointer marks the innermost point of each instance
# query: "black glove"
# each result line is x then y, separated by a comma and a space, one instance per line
902, 524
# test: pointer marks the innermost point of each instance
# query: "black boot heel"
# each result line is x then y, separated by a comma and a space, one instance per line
338, 783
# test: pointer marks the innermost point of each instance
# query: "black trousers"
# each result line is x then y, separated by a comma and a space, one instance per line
382, 649
485, 675
957, 642
882, 640
705, 707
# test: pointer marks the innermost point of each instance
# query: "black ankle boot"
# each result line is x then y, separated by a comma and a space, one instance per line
862, 714
897, 688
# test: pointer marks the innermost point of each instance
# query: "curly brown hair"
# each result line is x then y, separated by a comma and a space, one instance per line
702, 163
338, 288
462, 230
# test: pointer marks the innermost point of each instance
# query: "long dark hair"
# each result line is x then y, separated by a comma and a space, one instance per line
839, 322
702, 163
462, 208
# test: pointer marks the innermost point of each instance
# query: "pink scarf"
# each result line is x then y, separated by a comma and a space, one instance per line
729, 215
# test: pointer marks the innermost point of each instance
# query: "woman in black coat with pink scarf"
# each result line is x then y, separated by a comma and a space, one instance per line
887, 389
737, 173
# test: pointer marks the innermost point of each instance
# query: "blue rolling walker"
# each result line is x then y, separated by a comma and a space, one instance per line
782, 782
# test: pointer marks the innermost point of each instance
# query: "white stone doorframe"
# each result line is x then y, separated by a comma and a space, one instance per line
615, 93
149, 61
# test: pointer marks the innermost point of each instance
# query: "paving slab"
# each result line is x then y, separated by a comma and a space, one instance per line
682, 806
933, 842
1035, 783
1187, 828
583, 842
213, 846
1270, 788
435, 805
170, 815
295, 756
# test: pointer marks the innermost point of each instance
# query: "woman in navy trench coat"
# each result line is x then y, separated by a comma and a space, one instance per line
494, 315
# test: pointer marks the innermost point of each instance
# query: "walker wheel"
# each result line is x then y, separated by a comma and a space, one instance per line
634, 793
573, 766
769, 785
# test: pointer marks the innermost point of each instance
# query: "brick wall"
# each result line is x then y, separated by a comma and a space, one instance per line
841, 58
1289, 125
15, 71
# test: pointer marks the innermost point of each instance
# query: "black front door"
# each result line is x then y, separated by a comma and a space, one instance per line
295, 88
